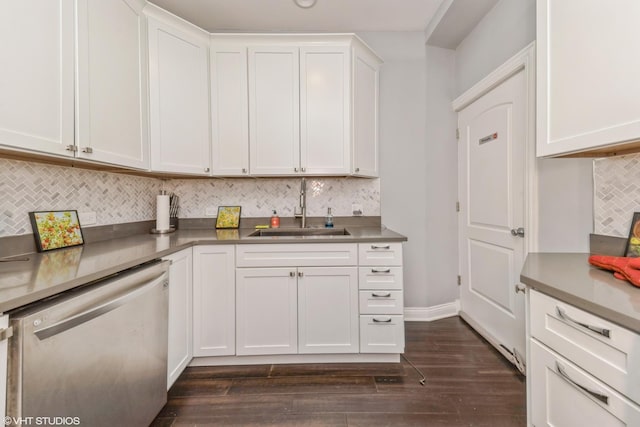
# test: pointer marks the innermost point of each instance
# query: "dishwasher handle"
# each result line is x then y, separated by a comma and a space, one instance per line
99, 310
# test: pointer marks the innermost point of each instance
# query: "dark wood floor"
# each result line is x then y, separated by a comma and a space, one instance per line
467, 384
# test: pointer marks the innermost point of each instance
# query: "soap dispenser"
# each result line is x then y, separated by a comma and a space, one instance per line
275, 220
328, 220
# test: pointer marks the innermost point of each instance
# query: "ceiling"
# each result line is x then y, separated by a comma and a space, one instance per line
326, 16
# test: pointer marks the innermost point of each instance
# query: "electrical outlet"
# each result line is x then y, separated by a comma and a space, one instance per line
87, 218
210, 211
356, 209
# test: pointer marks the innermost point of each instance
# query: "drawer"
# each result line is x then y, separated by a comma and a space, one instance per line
381, 334
613, 355
562, 394
381, 302
380, 253
296, 254
380, 278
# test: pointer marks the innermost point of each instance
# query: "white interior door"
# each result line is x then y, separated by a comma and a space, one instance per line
491, 168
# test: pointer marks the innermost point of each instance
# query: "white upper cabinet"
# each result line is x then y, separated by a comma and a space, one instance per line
37, 75
588, 90
229, 110
274, 114
365, 112
178, 94
111, 124
325, 110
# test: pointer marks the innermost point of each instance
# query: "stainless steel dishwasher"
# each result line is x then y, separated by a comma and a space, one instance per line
96, 355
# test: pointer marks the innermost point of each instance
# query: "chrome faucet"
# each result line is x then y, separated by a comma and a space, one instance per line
303, 205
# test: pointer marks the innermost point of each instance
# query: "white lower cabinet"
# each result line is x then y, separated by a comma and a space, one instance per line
295, 299
4, 324
562, 394
266, 311
381, 298
214, 300
581, 369
291, 310
180, 348
328, 310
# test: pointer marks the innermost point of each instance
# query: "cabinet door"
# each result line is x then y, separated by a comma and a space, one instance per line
365, 114
37, 75
266, 312
229, 110
328, 310
213, 300
587, 74
112, 83
562, 394
179, 99
325, 110
180, 314
4, 324
274, 110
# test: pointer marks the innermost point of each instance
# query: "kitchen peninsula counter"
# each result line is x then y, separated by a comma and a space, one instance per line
43, 275
570, 278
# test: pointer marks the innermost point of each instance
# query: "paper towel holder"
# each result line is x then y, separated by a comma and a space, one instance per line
156, 231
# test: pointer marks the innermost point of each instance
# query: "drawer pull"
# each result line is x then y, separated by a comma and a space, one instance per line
387, 320
381, 270
381, 295
380, 246
601, 397
602, 331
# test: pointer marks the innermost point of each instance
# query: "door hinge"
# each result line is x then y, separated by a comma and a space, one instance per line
457, 133
459, 280
457, 206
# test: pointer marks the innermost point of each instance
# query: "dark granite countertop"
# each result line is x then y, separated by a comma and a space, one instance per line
50, 273
569, 278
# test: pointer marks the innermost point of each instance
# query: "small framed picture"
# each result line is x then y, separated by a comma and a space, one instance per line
56, 229
228, 217
633, 242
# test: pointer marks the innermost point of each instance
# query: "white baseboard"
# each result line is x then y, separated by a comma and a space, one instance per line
427, 314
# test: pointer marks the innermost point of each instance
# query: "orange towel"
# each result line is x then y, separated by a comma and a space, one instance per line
624, 268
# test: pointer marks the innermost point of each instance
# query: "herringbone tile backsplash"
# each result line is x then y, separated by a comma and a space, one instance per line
616, 194
117, 198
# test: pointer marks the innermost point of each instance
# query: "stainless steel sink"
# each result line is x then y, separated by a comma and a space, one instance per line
290, 232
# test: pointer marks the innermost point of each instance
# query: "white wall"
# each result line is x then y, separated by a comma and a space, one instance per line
504, 31
565, 187
403, 152
441, 183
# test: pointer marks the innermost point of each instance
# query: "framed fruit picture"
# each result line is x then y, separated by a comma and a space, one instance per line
228, 217
633, 242
56, 229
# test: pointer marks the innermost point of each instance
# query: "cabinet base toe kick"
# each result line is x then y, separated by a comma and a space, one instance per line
295, 358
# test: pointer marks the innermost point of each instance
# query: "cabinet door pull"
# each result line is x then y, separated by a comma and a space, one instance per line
601, 397
376, 320
564, 316
380, 246
381, 295
300, 274
381, 270
292, 274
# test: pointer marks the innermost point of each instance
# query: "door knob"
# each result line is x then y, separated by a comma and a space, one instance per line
517, 232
